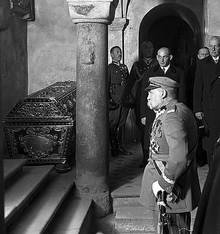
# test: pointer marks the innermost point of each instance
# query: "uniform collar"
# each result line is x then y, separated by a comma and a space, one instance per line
147, 60
171, 104
116, 63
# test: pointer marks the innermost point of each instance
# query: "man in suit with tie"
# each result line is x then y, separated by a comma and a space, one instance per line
166, 69
206, 96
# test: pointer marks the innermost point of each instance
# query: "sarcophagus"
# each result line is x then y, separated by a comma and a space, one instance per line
41, 127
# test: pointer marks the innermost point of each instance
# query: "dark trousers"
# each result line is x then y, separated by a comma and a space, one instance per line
179, 223
141, 128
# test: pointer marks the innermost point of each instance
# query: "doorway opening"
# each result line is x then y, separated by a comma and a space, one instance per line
173, 32
165, 24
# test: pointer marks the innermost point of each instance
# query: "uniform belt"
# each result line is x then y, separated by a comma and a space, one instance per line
118, 84
159, 169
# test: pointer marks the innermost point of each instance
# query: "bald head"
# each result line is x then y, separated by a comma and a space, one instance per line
164, 56
164, 50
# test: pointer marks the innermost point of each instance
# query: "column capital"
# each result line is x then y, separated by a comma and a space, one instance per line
118, 24
91, 11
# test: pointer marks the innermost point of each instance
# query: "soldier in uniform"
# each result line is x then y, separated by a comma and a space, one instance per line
117, 76
163, 68
134, 83
172, 165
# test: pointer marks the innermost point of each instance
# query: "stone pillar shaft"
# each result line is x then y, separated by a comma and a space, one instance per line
92, 141
92, 115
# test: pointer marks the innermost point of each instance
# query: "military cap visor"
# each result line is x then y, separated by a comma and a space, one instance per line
161, 82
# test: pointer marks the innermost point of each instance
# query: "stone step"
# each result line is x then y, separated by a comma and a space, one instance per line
133, 213
134, 226
39, 213
134, 219
125, 202
74, 217
20, 193
12, 169
138, 219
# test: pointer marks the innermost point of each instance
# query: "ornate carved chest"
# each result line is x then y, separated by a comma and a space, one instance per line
41, 127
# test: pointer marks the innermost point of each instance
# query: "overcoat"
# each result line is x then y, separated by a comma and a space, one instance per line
134, 85
173, 149
174, 73
208, 214
206, 97
117, 77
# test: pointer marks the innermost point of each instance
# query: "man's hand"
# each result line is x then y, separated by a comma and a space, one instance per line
143, 120
156, 188
199, 115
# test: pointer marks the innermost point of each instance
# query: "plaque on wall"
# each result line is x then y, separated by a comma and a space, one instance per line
41, 127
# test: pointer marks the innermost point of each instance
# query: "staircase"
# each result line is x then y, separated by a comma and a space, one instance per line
39, 200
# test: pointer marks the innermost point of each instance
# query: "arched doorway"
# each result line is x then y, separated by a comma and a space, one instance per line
164, 23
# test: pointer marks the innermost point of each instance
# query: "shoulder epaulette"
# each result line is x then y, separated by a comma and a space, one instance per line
171, 109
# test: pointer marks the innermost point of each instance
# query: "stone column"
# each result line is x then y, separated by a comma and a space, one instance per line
92, 142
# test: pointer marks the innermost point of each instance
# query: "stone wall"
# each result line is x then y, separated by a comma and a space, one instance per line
212, 19
51, 45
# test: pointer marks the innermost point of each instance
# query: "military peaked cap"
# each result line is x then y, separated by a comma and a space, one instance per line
161, 82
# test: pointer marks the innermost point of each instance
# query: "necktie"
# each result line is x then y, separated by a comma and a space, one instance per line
216, 60
164, 70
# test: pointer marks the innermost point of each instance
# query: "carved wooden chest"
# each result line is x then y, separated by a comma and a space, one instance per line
41, 127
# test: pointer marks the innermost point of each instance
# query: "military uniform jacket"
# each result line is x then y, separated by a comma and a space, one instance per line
137, 72
172, 155
117, 77
206, 96
134, 84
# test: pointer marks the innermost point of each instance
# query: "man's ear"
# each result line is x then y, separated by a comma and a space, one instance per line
164, 93
171, 57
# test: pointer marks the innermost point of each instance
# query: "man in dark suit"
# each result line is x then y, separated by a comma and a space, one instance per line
163, 68
203, 52
208, 213
206, 96
134, 84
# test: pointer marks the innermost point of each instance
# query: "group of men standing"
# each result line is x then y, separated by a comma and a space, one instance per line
169, 130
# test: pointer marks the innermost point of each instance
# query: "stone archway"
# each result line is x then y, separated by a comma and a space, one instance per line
161, 25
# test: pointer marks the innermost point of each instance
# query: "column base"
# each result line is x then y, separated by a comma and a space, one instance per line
101, 203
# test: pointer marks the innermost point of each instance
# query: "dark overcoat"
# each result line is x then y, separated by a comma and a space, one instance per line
208, 214
174, 73
134, 86
206, 97
117, 77
173, 149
